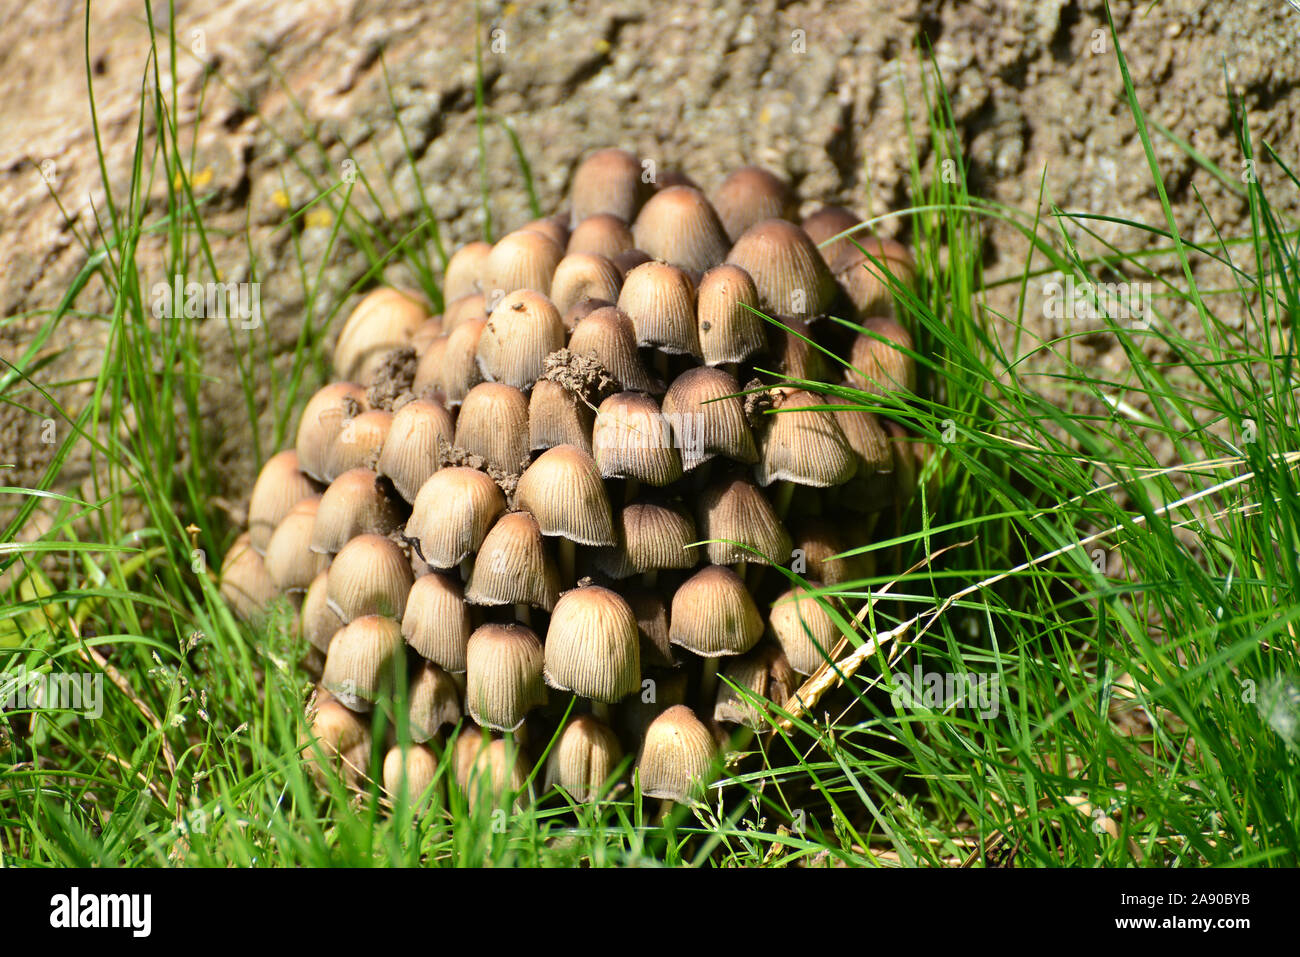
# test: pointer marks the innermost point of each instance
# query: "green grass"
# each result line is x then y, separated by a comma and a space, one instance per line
1118, 552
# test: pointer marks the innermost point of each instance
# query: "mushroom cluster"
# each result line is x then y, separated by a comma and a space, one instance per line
573, 482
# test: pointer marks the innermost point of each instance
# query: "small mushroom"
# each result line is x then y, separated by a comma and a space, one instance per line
355, 503
384, 320
434, 701
678, 226
320, 622
601, 235
584, 759
503, 676
279, 487
632, 439
592, 646
609, 335
878, 362
326, 415
245, 582
524, 259
660, 301
436, 622
410, 452
740, 524
750, 195
465, 270
521, 332
713, 614
289, 559
789, 273
765, 673
452, 514
513, 567
493, 423
708, 418
409, 774
359, 664
564, 491
608, 181
370, 576
806, 631
676, 757
460, 370
584, 276
558, 417
730, 328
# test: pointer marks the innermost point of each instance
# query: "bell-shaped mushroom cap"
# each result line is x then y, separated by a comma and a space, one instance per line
384, 320
327, 414
584, 759
320, 623
804, 444
592, 646
905, 461
632, 439
676, 757
804, 628
584, 276
489, 770
660, 301
878, 362
651, 536
465, 271
629, 260
245, 582
434, 701
503, 678
410, 453
340, 738
558, 417
452, 514
555, 228
359, 664
791, 276
713, 614
564, 491
795, 354
865, 282
524, 259
822, 544
358, 444
279, 487
513, 567
460, 370
289, 559
355, 503
678, 226
729, 328
429, 368
609, 336
436, 623
607, 181
601, 235
866, 436
521, 332
409, 774
708, 417
493, 423
826, 224
750, 195
370, 576
464, 310
763, 672
733, 514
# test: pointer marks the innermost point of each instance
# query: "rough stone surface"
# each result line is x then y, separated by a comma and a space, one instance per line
272, 100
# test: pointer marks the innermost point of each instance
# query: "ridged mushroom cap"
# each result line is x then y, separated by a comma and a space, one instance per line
410, 452
463, 310
279, 487
245, 582
320, 623
601, 235
436, 623
327, 414
592, 646
359, 664
355, 503
865, 282
503, 677
714, 615
609, 335
733, 512
513, 566
631, 438
493, 423
676, 757
489, 769
564, 491
788, 271
660, 301
730, 329
359, 443
804, 628
651, 536
607, 181
708, 418
764, 672
584, 759
678, 226
452, 514
371, 575
824, 226
521, 332
524, 259
409, 774
557, 417
465, 270
289, 559
460, 370
877, 362
750, 195
823, 542
384, 320
434, 701
804, 444
584, 276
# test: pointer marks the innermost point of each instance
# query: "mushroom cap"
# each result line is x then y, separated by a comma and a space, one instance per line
651, 536
493, 423
631, 438
660, 301
788, 271
409, 774
804, 628
354, 504
584, 758
425, 334
513, 567
384, 319
460, 370
289, 559
750, 195
503, 677
827, 223
340, 737
488, 769
676, 757
524, 259
732, 509
679, 226
601, 235
866, 283
708, 417
878, 362
279, 487
804, 444
245, 582
822, 542
557, 417
714, 615
359, 664
521, 332
465, 270
564, 491
452, 514
730, 329
434, 701
584, 276
609, 335
463, 310
371, 575
763, 671
436, 623
555, 228
358, 444
607, 181
320, 622
651, 610
592, 646
794, 351
324, 418
410, 452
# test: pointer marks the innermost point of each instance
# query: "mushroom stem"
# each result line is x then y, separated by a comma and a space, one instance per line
522, 614
781, 502
665, 810
568, 559
709, 684
630, 489
661, 364
650, 578
739, 569
600, 709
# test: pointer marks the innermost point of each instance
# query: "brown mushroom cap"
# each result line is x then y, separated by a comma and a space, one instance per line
660, 301
410, 452
878, 362
463, 310
676, 757
245, 582
326, 415
750, 195
409, 774
821, 542
601, 235
371, 575
708, 417
384, 320
558, 417
452, 514
465, 270
358, 444
584, 276
355, 503
339, 737
503, 676
493, 423
678, 226
608, 335
436, 622
866, 283
592, 646
434, 701
631, 438
714, 615
279, 487
804, 444
608, 181
788, 271
320, 623
524, 259
460, 370
584, 758
489, 770
805, 629
651, 536
513, 567
733, 510
521, 332
564, 491
359, 664
827, 223
730, 328
289, 559
763, 671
